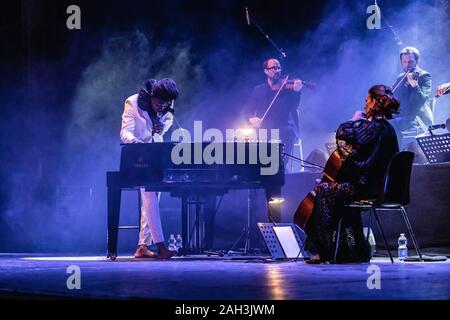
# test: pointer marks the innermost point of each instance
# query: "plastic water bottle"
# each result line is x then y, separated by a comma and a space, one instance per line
402, 248
171, 243
179, 243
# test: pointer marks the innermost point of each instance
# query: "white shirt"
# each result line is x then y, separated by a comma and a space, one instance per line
137, 127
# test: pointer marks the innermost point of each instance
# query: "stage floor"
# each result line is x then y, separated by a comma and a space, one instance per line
211, 278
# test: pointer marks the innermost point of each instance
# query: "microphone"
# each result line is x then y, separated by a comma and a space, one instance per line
171, 110
437, 126
247, 16
156, 120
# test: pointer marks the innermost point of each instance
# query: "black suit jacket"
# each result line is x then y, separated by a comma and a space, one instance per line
414, 102
284, 112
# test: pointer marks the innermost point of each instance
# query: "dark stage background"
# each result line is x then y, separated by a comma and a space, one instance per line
62, 92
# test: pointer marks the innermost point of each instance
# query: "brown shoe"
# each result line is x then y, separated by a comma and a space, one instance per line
165, 254
143, 252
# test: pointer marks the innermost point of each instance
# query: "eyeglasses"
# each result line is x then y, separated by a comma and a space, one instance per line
275, 68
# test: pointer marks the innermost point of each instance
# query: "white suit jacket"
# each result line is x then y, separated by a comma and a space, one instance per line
137, 125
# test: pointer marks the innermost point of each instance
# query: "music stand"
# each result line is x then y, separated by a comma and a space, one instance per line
435, 147
282, 240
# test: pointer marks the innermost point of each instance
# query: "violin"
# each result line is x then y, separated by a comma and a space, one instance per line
306, 207
415, 75
290, 84
278, 86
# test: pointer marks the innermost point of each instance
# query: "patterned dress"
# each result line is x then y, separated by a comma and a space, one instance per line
366, 148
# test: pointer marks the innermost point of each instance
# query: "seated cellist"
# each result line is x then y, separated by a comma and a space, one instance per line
366, 144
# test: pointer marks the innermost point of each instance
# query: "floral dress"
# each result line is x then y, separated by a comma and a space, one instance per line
365, 148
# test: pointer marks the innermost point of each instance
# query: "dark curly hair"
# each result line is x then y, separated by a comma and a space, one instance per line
165, 89
386, 104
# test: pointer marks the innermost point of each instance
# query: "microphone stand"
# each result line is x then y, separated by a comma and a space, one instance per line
178, 124
391, 28
251, 20
435, 127
396, 37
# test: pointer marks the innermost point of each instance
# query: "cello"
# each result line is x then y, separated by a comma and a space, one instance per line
306, 207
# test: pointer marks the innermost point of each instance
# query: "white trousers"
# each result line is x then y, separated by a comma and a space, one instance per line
151, 228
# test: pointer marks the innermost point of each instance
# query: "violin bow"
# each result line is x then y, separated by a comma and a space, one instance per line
274, 98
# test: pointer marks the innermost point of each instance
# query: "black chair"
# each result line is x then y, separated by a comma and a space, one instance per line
393, 195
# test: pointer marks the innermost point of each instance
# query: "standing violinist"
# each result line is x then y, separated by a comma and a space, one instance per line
282, 115
413, 89
366, 144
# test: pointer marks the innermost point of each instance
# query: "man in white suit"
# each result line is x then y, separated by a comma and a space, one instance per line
146, 117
